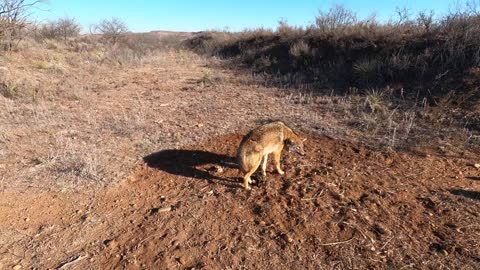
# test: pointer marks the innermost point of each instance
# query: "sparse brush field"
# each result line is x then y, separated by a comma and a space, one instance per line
122, 156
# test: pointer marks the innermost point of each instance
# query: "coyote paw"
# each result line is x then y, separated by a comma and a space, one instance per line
281, 172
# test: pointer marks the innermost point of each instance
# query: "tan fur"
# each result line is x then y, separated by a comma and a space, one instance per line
259, 143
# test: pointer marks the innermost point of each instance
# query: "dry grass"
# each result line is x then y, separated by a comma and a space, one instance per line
74, 114
404, 83
65, 135
64, 124
420, 53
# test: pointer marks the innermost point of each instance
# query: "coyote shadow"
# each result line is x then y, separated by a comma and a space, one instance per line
185, 162
473, 178
466, 193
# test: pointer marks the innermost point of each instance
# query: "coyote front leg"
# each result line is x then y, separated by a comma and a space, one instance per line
276, 155
264, 165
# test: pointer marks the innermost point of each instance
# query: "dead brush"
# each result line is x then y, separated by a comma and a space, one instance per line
19, 89
206, 78
336, 20
300, 48
73, 158
9, 89
129, 121
123, 56
301, 98
286, 30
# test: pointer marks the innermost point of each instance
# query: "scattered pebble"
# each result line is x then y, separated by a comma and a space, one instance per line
216, 169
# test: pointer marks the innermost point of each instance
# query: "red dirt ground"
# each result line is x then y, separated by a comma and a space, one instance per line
81, 186
341, 206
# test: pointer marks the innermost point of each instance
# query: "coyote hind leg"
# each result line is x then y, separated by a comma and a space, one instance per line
246, 178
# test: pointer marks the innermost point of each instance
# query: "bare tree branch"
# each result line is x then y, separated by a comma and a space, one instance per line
14, 16
112, 30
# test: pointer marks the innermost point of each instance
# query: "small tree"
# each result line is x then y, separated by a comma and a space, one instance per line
112, 30
67, 27
13, 19
47, 30
425, 20
336, 18
62, 28
403, 15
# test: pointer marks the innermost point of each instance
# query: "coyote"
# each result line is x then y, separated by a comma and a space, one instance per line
262, 141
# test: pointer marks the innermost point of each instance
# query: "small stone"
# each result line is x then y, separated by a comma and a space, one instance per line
476, 165
17, 267
289, 239
388, 161
215, 169
27, 219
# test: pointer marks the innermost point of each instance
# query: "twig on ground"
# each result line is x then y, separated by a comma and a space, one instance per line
338, 243
386, 243
71, 261
314, 197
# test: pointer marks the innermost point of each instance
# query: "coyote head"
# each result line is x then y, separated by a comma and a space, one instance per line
296, 144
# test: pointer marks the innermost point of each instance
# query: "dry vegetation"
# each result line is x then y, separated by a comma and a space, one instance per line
391, 174
342, 51
408, 72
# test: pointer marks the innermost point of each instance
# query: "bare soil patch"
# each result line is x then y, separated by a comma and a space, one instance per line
131, 166
340, 206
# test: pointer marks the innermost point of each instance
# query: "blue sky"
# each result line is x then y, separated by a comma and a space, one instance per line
191, 15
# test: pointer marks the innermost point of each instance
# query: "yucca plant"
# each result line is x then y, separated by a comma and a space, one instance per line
368, 70
375, 100
206, 77
9, 89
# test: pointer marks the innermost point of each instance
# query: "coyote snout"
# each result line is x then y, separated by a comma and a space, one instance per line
298, 148
262, 141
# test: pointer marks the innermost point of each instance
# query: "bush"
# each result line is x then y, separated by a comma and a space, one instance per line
68, 27
13, 20
340, 51
337, 18
112, 30
62, 28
